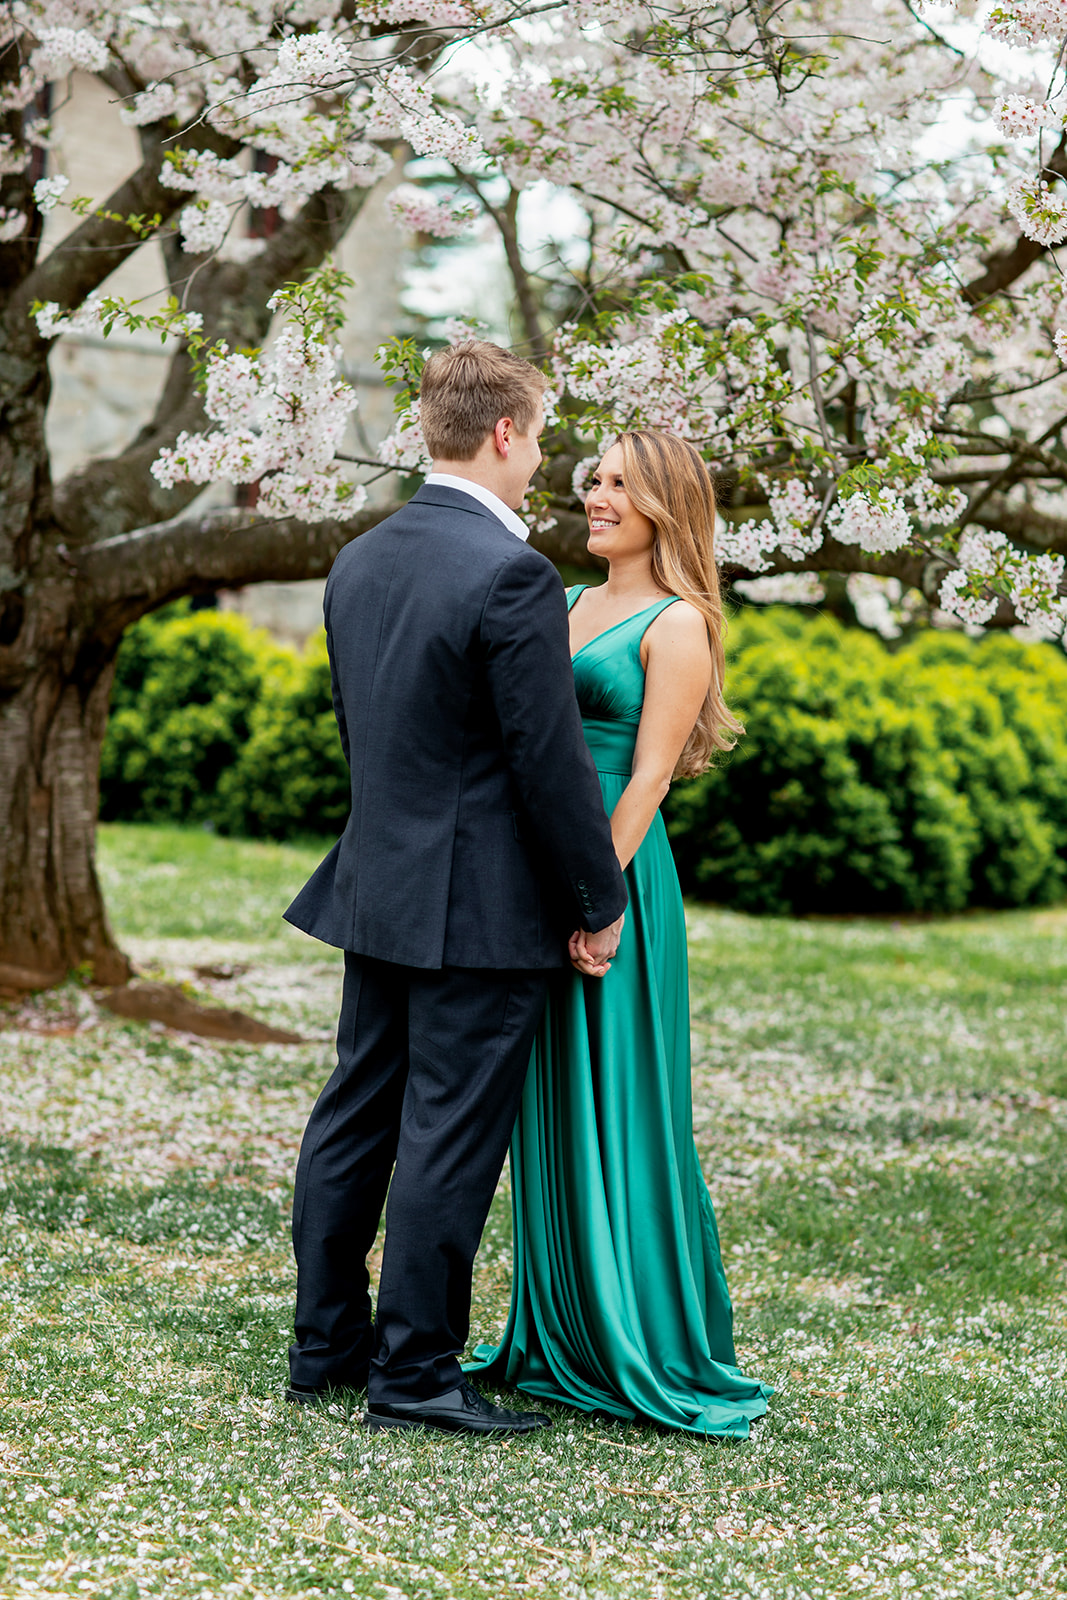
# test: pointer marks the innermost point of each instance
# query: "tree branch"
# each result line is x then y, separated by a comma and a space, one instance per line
1005, 267
123, 578
1025, 526
506, 219
110, 496
89, 255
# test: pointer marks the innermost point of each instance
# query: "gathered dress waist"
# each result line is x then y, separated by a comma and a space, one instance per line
611, 744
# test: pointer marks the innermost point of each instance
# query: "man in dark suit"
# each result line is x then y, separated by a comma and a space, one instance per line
477, 842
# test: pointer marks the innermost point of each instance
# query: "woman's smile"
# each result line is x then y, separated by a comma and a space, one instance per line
610, 511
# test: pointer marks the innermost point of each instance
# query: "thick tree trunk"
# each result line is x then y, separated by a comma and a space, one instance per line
52, 916
66, 618
54, 686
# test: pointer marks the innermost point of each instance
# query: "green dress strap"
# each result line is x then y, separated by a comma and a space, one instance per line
649, 613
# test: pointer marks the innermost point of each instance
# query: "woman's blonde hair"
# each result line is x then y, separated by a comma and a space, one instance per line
666, 479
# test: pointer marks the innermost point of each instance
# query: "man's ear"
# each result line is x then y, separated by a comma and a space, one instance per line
502, 435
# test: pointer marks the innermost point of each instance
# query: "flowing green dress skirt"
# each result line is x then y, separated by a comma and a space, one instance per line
619, 1300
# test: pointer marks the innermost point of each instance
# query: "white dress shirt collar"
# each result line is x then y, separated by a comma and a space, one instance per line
492, 502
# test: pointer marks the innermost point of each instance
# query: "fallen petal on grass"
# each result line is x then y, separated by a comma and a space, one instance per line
886, 1143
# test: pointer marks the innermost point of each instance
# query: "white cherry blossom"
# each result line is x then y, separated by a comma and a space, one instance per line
63, 48
47, 192
1020, 118
875, 525
203, 226
958, 599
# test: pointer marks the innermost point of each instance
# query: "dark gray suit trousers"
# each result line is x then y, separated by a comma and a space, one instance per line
430, 1069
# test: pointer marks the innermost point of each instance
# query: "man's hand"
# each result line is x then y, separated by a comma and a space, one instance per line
592, 953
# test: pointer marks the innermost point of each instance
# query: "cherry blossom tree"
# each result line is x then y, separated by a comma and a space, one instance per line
821, 241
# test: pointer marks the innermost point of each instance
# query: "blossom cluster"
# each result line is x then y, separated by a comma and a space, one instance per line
794, 526
757, 279
100, 313
281, 417
321, 101
433, 13
877, 602
1019, 117
747, 543
48, 192
1040, 211
203, 226
405, 448
60, 49
966, 597
795, 513
990, 568
152, 104
402, 107
877, 524
320, 59
225, 181
1037, 592
782, 588
87, 318
654, 373
1028, 22
418, 211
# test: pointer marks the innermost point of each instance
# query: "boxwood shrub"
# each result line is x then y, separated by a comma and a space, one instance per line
186, 687
927, 780
211, 722
291, 777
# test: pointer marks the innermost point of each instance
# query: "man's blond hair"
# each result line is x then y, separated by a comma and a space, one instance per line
465, 392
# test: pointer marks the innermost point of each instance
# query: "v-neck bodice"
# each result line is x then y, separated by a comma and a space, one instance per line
609, 681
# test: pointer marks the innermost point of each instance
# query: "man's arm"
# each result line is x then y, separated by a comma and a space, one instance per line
524, 628
335, 687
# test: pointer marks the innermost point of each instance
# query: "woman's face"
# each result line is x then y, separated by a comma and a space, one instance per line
616, 527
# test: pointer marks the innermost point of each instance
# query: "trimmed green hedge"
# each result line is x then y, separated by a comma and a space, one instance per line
211, 722
291, 777
926, 780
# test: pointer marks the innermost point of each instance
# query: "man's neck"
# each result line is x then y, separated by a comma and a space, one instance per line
473, 472
478, 490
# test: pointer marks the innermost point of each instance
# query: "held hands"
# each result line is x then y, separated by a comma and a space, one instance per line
592, 953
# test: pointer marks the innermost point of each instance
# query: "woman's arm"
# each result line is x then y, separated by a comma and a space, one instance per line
677, 675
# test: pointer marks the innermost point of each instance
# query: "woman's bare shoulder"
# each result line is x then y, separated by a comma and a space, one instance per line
682, 621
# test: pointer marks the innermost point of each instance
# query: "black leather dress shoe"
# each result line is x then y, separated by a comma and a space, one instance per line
461, 1410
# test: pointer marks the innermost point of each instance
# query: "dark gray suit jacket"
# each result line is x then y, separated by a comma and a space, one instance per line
478, 836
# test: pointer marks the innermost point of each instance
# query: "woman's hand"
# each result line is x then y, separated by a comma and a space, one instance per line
592, 953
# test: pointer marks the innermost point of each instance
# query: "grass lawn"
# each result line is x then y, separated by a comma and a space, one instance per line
881, 1111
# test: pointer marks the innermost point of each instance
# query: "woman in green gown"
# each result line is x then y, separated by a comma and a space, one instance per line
619, 1300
